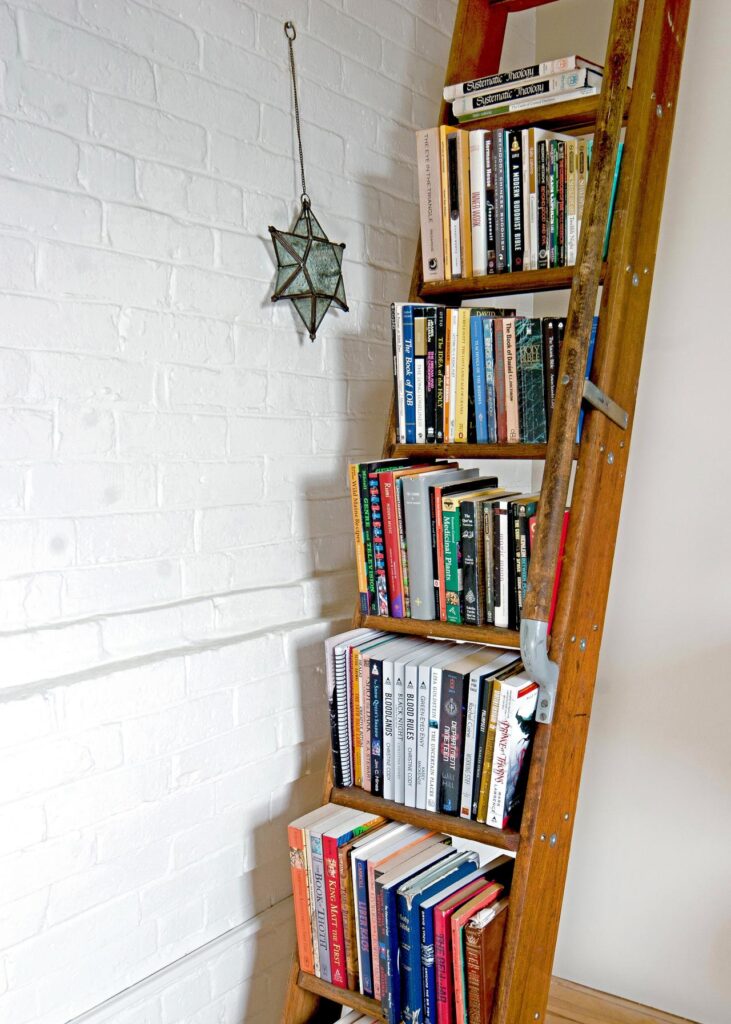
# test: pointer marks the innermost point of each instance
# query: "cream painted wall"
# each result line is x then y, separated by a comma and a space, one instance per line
647, 913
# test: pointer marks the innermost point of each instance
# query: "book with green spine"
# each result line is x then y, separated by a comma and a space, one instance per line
531, 381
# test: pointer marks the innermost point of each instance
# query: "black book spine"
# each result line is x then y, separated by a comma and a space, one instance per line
487, 561
543, 241
510, 569
470, 600
335, 737
455, 226
451, 728
515, 172
376, 671
498, 564
501, 255
490, 205
483, 709
550, 362
561, 204
441, 326
524, 513
517, 563
430, 404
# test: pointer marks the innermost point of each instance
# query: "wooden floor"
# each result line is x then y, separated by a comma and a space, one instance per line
573, 1004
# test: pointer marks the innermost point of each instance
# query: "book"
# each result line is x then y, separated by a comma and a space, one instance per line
302, 896
512, 106
514, 189
526, 74
510, 377
483, 946
478, 208
435, 724
420, 375
563, 82
432, 225
489, 895
513, 733
531, 382
409, 373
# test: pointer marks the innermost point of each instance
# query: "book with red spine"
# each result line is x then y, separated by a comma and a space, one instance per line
459, 919
298, 859
443, 913
349, 828
483, 946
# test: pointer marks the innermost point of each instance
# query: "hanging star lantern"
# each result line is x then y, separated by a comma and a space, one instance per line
309, 269
309, 265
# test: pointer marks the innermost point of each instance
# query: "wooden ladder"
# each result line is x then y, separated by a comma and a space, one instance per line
647, 114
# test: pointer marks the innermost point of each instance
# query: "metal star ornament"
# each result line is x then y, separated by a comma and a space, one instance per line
309, 265
309, 269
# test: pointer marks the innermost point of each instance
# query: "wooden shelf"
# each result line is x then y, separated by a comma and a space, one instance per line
495, 635
343, 996
472, 451
359, 800
573, 116
521, 281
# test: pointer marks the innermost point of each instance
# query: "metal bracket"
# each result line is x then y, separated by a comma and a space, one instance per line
534, 652
596, 397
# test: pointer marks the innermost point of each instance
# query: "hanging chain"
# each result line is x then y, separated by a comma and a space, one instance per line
291, 33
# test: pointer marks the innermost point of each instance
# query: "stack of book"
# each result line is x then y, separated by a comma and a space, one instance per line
399, 914
552, 81
499, 200
431, 724
434, 541
474, 375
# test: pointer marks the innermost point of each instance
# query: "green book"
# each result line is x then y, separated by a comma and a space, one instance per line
531, 380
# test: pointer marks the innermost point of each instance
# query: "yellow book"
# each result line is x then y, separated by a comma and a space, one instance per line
463, 376
447, 385
357, 720
444, 132
465, 207
572, 201
360, 557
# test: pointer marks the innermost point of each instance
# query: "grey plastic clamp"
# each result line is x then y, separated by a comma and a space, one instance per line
534, 652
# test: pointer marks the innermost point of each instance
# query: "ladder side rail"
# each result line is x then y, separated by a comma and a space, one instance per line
537, 890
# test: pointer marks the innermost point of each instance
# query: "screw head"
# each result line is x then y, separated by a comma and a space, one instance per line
565, 379
610, 458
573, 639
554, 839
566, 816
658, 110
582, 645
635, 279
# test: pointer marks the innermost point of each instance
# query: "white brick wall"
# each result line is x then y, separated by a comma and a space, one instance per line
174, 535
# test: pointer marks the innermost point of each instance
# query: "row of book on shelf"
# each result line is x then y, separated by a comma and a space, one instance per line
472, 374
494, 201
434, 541
435, 725
405, 915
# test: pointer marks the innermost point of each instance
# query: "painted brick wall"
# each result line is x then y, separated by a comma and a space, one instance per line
174, 535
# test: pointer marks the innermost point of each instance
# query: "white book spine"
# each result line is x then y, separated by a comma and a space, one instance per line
420, 390
399, 699
529, 102
398, 327
435, 700
411, 678
430, 204
344, 733
389, 726
521, 76
548, 85
470, 738
365, 683
477, 202
499, 774
501, 524
454, 333
422, 734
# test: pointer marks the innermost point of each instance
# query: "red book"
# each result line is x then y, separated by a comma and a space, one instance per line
443, 947
392, 543
459, 919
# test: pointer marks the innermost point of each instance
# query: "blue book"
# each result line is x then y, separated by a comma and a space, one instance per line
364, 926
409, 374
489, 357
589, 360
388, 945
477, 350
410, 899
610, 215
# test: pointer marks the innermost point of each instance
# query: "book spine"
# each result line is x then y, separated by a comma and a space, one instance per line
571, 202
468, 542
477, 351
432, 768
320, 903
500, 761
489, 752
453, 366
444, 976
531, 387
542, 213
450, 526
515, 191
516, 563
478, 202
390, 978
298, 867
455, 232
473, 972
528, 103
463, 178
524, 514
357, 717
550, 363
403, 559
440, 372
418, 548
432, 234
502, 574
450, 742
489, 357
365, 677
526, 195
379, 550
338, 970
529, 155
488, 566
334, 726
445, 196
501, 251
490, 236
428, 976
562, 204
376, 727
365, 505
392, 544
582, 178
420, 389
553, 200
549, 85
512, 414
360, 558
389, 731
410, 732
399, 692
409, 376
470, 739
409, 960
463, 375
422, 734
441, 577
397, 330
430, 378
364, 930
500, 392
482, 716
547, 67
343, 716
